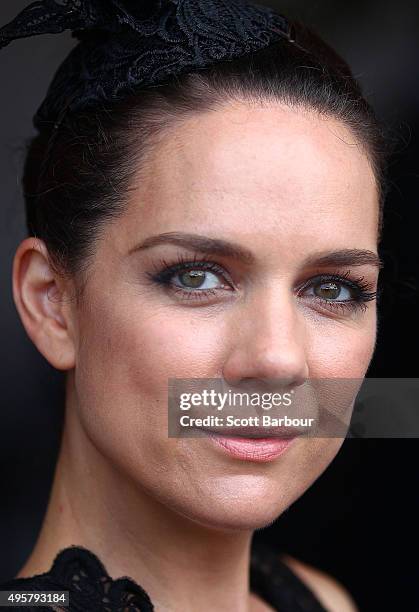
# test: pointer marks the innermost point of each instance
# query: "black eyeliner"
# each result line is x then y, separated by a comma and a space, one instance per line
165, 271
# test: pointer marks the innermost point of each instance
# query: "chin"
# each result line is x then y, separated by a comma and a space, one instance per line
230, 507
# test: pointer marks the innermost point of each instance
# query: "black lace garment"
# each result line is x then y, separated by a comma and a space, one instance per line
91, 589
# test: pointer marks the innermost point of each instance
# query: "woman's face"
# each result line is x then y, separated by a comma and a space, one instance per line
288, 187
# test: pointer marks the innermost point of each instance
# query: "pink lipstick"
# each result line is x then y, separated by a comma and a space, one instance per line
251, 449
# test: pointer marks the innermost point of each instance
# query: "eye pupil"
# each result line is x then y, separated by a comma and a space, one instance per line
327, 290
193, 278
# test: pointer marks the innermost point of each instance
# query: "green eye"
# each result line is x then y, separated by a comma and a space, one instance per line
197, 279
331, 290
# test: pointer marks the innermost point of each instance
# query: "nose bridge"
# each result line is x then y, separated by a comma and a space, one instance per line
269, 340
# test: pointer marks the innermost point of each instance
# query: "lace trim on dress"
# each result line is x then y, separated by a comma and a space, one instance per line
78, 570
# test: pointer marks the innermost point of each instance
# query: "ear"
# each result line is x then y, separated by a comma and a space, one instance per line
44, 304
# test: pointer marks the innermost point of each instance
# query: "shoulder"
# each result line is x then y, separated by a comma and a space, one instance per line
331, 594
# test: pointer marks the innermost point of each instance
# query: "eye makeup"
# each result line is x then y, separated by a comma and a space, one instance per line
173, 277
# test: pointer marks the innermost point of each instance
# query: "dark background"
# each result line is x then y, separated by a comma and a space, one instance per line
359, 520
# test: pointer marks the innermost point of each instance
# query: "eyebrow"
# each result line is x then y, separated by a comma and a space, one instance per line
217, 246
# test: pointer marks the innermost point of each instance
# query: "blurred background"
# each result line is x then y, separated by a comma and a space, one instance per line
358, 522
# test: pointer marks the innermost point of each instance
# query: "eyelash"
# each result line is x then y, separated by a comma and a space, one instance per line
167, 271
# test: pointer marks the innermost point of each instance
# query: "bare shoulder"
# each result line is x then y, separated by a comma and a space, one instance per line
333, 595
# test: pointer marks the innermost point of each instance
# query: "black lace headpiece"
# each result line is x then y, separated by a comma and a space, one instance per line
126, 44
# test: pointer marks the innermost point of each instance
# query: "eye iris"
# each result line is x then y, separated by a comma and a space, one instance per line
193, 278
327, 290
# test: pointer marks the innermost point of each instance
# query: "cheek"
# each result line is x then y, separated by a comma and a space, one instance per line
342, 349
339, 358
140, 348
126, 355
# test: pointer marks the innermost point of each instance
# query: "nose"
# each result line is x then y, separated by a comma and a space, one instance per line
268, 342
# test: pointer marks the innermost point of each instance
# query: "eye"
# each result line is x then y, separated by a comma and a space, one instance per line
340, 292
196, 279
332, 290
193, 279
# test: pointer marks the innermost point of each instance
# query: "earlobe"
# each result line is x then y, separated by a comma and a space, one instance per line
41, 302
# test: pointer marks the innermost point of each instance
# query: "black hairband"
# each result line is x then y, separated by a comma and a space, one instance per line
126, 44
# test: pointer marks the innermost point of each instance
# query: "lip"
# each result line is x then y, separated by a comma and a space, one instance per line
251, 449
254, 432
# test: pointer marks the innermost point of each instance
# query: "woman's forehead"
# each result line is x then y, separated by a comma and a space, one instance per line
276, 170
222, 146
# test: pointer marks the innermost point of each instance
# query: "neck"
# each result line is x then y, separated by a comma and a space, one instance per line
181, 564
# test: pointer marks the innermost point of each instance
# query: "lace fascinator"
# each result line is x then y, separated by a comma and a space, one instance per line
127, 44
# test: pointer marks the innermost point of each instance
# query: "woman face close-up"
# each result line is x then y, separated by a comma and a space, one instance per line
295, 197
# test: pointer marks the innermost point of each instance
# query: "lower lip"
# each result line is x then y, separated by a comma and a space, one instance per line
252, 449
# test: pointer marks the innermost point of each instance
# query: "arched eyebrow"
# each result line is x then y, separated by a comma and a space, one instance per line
203, 244
344, 257
217, 246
